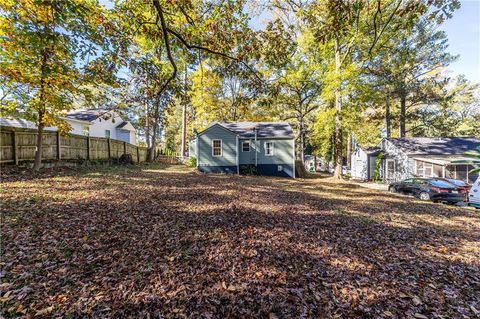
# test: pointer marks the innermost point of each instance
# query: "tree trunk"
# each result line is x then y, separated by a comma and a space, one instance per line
301, 143
184, 116
147, 126
338, 108
403, 113
38, 151
41, 124
388, 120
184, 129
349, 151
153, 144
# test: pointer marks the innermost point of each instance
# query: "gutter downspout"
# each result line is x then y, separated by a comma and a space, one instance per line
256, 154
197, 150
237, 151
293, 149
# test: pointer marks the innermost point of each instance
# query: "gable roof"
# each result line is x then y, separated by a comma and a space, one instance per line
263, 129
86, 115
436, 145
125, 125
373, 150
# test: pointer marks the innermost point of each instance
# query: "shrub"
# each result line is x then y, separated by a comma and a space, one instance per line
248, 169
192, 161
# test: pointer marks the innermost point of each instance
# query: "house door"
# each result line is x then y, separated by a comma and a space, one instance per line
390, 169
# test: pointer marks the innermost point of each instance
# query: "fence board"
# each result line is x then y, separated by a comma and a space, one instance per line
72, 146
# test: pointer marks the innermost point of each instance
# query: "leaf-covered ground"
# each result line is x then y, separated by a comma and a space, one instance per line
167, 242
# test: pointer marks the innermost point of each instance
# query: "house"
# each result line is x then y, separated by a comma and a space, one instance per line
309, 161
93, 122
231, 147
401, 158
363, 162
101, 123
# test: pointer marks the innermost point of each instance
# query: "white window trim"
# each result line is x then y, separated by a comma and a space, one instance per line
221, 148
273, 148
109, 133
249, 147
424, 168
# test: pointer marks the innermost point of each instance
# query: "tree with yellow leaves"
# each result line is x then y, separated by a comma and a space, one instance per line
40, 44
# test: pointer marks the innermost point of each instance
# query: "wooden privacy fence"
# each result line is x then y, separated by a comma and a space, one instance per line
169, 159
19, 144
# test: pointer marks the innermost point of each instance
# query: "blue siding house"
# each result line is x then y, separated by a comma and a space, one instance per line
228, 147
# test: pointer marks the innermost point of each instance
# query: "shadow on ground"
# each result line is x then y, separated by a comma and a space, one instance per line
170, 244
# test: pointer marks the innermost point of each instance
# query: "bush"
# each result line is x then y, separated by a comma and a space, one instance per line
248, 169
192, 161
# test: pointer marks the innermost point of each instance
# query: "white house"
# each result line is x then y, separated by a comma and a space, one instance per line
363, 162
409, 157
93, 122
101, 123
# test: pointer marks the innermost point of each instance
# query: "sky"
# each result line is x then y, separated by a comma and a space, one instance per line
463, 31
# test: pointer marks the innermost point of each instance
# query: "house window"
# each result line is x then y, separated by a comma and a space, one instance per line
246, 146
86, 130
217, 147
107, 133
390, 169
268, 148
424, 169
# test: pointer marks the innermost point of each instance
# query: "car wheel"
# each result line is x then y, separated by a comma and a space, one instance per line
392, 189
424, 196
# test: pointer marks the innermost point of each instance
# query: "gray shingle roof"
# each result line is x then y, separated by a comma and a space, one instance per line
264, 129
122, 124
86, 115
436, 145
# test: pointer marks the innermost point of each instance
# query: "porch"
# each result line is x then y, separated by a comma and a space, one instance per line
456, 167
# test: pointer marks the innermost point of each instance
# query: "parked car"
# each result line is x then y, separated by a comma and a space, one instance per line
474, 194
463, 187
428, 189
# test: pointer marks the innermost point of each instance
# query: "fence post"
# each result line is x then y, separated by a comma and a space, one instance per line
124, 147
138, 154
59, 152
108, 148
15, 146
88, 148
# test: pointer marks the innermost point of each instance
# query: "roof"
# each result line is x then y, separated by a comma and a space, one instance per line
21, 123
372, 150
436, 145
122, 124
263, 129
447, 160
86, 115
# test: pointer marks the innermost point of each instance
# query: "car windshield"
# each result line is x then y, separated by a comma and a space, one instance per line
456, 182
439, 183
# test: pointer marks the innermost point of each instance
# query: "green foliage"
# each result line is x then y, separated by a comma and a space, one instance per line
378, 166
475, 160
40, 44
249, 169
323, 133
192, 161
167, 151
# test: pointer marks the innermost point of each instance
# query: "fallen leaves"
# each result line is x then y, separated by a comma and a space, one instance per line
133, 243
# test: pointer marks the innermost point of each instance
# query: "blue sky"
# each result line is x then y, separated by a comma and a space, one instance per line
463, 32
